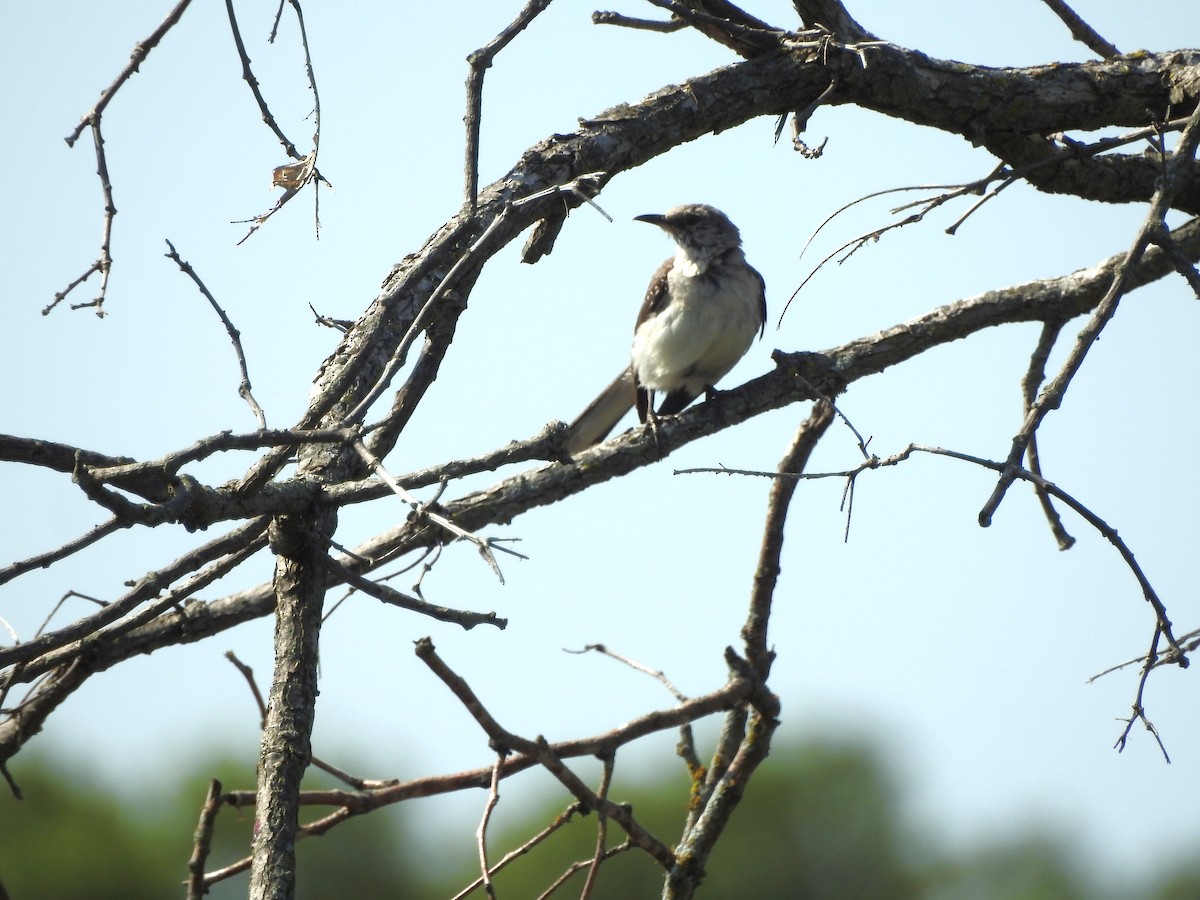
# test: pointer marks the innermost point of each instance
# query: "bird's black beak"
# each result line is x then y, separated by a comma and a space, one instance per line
653, 219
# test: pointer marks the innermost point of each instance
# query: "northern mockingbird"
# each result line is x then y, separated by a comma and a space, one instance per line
699, 317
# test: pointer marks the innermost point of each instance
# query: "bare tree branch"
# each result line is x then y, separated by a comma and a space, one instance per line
1034, 376
298, 543
103, 265
1082, 31
1052, 395
295, 176
203, 842
503, 740
729, 774
479, 62
235, 336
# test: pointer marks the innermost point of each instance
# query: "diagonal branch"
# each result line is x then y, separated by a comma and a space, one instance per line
235, 336
1029, 387
463, 617
140, 51
1082, 31
503, 740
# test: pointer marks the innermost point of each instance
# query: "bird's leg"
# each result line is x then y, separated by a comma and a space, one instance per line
646, 415
652, 426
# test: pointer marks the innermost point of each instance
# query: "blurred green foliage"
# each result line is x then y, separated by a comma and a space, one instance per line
68, 839
819, 822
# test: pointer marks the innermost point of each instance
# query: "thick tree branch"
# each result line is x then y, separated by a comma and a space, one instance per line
832, 15
299, 546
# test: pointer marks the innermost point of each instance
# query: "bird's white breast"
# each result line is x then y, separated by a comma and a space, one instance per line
701, 334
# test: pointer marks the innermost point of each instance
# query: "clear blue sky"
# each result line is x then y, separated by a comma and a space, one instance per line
963, 651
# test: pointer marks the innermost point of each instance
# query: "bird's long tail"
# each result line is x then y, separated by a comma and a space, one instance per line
602, 416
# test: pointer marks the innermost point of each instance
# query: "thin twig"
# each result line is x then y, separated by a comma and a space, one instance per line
480, 61
248, 76
749, 35
13, 787
342, 325
1082, 31
1190, 642
1002, 173
581, 864
598, 857
673, 24
656, 674
800, 119
855, 244
57, 606
544, 754
1034, 375
91, 120
44, 560
560, 820
1139, 710
686, 748
754, 631
493, 798
235, 336
295, 176
312, 86
1179, 260
140, 51
203, 841
103, 264
248, 674
1006, 182
132, 476
463, 617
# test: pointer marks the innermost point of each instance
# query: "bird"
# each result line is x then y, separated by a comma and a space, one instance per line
701, 312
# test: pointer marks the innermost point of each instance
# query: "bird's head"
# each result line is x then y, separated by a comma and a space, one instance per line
702, 232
